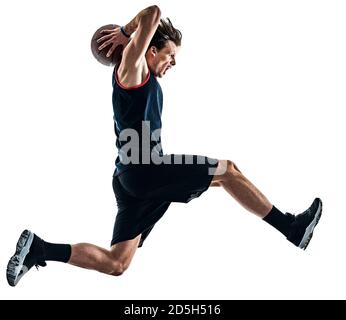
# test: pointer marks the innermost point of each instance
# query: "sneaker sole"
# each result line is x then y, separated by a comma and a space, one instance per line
15, 269
310, 229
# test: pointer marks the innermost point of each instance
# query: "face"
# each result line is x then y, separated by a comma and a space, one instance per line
159, 61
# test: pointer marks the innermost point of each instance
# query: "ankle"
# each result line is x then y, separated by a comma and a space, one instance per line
280, 221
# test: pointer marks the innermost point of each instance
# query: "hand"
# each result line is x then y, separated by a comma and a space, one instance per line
112, 37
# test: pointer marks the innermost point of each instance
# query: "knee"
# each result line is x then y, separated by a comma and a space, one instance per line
117, 272
118, 268
230, 169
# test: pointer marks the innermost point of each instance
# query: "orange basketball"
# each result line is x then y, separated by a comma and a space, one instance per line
100, 55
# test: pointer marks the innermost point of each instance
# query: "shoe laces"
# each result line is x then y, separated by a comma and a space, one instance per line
16, 260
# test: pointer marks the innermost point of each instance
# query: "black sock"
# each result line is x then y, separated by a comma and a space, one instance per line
56, 252
279, 220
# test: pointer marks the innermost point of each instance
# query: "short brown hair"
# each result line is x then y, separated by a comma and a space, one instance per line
165, 31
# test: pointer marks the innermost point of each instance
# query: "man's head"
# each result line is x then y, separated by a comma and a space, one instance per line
163, 48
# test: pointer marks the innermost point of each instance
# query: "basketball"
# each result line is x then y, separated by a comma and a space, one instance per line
100, 55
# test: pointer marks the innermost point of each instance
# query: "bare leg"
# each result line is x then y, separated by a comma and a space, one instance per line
241, 189
113, 262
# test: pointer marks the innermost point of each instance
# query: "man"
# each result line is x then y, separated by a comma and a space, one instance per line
145, 180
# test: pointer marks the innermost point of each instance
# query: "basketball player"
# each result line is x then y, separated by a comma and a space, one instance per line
146, 181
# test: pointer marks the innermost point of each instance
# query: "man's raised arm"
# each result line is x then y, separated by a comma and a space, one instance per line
144, 25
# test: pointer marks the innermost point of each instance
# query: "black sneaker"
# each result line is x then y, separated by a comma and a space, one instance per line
29, 253
302, 228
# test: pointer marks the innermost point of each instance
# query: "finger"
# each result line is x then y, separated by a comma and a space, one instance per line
111, 50
104, 38
105, 44
106, 30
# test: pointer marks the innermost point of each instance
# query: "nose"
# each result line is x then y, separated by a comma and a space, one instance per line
173, 63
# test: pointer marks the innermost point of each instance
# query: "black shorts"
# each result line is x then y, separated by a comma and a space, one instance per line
144, 192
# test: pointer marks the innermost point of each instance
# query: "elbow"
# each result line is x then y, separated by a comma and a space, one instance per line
150, 16
155, 12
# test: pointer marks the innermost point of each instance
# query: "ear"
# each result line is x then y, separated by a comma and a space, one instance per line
153, 50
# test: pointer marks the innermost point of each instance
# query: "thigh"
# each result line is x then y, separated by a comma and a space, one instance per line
179, 178
134, 216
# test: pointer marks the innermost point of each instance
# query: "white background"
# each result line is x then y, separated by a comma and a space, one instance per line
261, 83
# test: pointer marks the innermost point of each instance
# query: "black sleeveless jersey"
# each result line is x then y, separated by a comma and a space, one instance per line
137, 122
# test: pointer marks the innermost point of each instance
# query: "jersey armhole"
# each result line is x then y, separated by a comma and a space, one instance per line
133, 87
